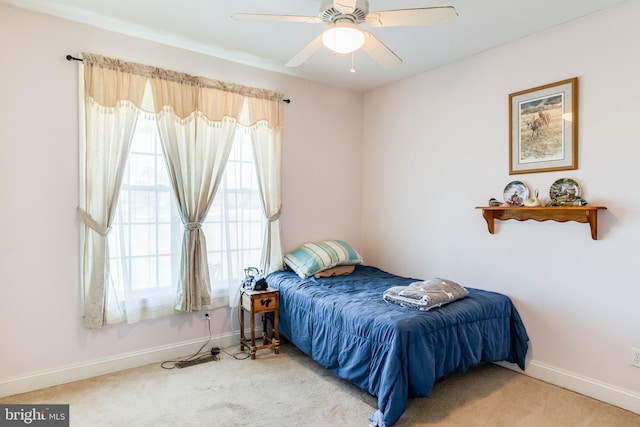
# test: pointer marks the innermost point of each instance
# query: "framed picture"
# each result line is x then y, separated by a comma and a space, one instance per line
543, 128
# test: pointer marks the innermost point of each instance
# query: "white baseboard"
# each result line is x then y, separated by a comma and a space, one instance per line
598, 390
81, 371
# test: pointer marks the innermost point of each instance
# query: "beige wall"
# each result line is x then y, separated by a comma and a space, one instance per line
445, 151
42, 336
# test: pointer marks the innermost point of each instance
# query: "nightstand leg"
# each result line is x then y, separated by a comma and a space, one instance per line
253, 336
241, 326
276, 333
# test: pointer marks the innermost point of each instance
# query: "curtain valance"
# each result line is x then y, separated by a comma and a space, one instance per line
180, 92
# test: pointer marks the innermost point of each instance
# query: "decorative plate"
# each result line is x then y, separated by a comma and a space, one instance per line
564, 192
515, 193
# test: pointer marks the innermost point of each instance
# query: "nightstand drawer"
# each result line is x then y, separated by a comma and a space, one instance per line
260, 301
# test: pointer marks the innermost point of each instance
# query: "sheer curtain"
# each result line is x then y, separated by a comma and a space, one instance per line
112, 93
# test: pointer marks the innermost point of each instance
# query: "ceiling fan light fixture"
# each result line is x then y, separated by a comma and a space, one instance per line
343, 37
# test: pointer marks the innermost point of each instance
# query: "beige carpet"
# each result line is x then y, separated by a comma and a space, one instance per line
289, 389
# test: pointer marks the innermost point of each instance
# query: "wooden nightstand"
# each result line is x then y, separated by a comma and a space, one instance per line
259, 302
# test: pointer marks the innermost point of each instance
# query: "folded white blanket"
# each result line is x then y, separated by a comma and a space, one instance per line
425, 295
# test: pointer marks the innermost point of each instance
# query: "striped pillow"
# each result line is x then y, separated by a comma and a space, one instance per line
312, 258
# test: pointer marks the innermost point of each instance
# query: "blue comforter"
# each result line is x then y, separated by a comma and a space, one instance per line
393, 352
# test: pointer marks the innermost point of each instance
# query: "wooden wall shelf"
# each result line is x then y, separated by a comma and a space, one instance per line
584, 214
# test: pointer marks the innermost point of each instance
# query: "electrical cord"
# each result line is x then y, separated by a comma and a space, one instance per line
239, 308
196, 356
172, 364
236, 355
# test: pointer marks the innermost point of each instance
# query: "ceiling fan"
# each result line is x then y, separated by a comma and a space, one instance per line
343, 33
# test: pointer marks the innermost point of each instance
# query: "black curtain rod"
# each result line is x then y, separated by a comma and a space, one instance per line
73, 58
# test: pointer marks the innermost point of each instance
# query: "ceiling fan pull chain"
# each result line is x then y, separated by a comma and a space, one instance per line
353, 69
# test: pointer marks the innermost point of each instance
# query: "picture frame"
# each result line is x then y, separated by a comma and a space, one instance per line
543, 128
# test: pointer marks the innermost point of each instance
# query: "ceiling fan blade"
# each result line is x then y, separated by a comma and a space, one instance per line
345, 6
279, 18
408, 17
305, 53
380, 52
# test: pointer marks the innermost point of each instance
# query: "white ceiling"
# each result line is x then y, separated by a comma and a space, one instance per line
206, 26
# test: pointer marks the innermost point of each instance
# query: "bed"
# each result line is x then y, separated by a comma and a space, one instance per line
394, 352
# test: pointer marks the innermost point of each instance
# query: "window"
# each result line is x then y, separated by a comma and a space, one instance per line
235, 224
144, 243
139, 259
146, 237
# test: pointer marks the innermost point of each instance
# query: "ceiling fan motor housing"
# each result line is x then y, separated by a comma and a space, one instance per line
328, 13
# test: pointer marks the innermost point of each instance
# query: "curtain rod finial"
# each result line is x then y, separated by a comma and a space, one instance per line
72, 58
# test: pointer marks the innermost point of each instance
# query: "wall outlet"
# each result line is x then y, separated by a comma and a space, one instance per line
635, 357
